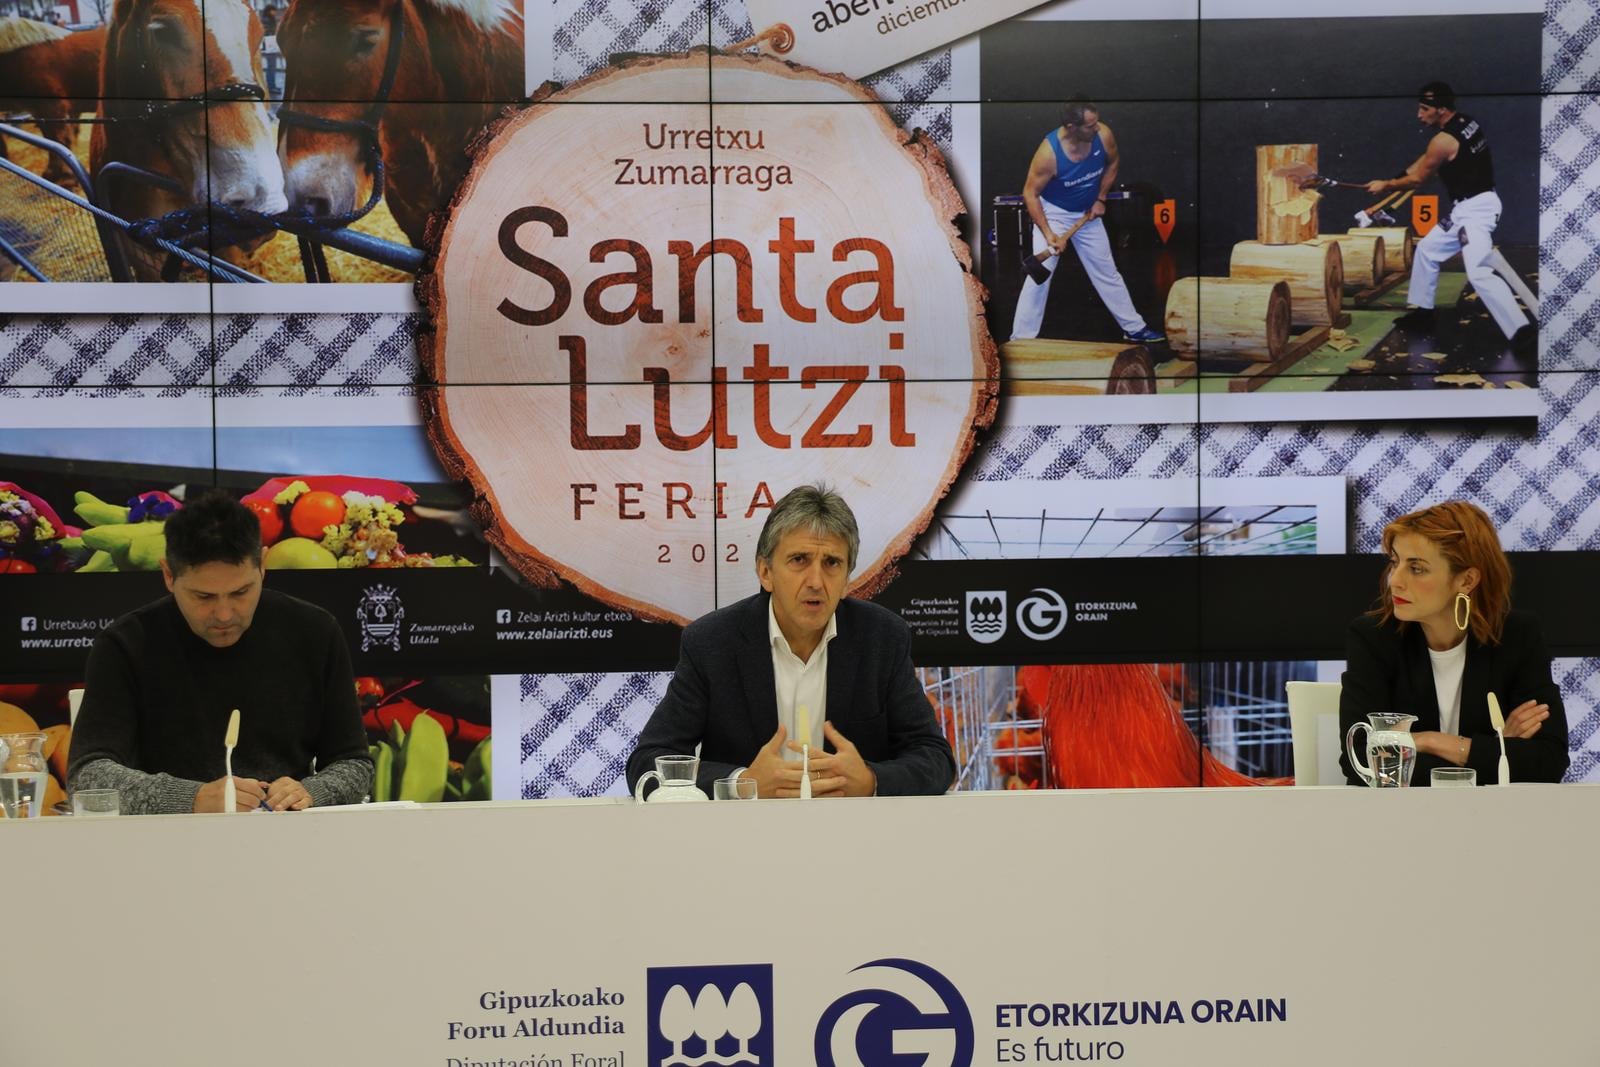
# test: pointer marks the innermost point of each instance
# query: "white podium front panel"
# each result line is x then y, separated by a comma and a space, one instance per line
1227, 927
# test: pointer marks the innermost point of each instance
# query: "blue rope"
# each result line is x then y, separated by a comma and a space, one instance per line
224, 225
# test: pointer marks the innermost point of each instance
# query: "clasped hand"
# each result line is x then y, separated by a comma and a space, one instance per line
841, 773
285, 794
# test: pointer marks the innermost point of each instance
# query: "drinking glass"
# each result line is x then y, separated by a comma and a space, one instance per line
1452, 777
734, 789
23, 775
96, 802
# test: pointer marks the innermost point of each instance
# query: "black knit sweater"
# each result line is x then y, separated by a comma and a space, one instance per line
157, 700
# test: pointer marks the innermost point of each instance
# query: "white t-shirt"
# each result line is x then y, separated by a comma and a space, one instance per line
1448, 667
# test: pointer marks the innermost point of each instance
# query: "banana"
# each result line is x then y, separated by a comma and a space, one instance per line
118, 536
100, 562
146, 553
119, 541
96, 512
478, 763
383, 773
427, 757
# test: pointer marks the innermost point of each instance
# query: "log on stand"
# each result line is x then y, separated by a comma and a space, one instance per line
1398, 242
1242, 319
1285, 213
1315, 273
1362, 255
633, 461
1043, 367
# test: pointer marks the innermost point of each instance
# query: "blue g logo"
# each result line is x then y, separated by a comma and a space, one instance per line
910, 1015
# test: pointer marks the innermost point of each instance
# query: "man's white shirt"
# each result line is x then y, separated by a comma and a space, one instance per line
800, 683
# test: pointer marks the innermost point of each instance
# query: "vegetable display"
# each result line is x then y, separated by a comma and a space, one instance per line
415, 754
337, 521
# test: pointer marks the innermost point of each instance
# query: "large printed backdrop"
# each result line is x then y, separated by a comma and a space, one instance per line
121, 399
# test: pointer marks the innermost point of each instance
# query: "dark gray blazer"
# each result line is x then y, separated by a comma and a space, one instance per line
723, 697
1388, 669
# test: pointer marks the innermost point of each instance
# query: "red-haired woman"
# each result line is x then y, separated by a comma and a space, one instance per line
1442, 638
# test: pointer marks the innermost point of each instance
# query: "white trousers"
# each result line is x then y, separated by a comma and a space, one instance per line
1094, 252
1470, 231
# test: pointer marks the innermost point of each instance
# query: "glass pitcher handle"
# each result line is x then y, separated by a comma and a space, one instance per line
638, 789
1354, 753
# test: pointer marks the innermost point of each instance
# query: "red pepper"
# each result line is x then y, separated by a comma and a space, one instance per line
404, 712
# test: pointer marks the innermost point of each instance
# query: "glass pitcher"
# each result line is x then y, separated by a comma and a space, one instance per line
23, 773
1391, 750
676, 775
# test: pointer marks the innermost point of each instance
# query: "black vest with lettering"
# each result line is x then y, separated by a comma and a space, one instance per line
1472, 171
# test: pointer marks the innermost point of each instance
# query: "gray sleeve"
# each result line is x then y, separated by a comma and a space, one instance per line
138, 793
344, 781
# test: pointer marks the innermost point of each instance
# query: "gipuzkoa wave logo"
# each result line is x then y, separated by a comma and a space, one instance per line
986, 615
709, 1016
908, 1009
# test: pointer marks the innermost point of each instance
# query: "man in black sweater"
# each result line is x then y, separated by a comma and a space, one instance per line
163, 681
1459, 153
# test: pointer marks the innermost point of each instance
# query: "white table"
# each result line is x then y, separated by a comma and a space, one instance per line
1428, 926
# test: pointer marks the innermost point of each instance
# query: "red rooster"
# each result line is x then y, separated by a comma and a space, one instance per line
1114, 726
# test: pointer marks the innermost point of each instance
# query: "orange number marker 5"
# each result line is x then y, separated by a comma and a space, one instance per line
1424, 214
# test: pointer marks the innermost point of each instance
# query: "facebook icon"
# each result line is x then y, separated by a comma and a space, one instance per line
29, 624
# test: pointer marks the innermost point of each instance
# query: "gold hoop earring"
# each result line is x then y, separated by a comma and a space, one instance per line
1462, 611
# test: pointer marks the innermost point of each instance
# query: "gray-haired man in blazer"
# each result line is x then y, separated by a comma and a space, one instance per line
799, 654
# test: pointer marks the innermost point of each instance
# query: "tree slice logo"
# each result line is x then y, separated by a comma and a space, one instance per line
650, 323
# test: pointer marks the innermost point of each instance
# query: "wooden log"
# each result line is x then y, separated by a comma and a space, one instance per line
615, 449
1362, 253
1315, 273
1046, 367
1233, 317
1397, 245
1285, 213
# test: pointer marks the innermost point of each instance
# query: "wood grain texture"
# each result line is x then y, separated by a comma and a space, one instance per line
1398, 241
1314, 271
1362, 254
1285, 213
683, 444
1230, 317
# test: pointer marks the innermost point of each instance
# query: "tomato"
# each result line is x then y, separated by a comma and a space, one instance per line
12, 565
271, 520
313, 511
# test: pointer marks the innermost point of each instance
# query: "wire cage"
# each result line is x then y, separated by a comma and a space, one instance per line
1240, 711
972, 705
1051, 533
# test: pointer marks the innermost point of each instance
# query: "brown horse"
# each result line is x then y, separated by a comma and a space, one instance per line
162, 65
372, 59
53, 75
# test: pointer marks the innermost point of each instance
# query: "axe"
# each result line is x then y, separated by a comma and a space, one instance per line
1033, 262
1305, 177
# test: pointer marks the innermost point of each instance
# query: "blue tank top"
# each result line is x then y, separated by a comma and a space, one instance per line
1076, 185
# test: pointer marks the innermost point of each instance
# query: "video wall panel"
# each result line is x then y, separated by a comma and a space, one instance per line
673, 270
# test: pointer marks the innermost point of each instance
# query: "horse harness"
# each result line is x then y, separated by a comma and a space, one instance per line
364, 129
181, 224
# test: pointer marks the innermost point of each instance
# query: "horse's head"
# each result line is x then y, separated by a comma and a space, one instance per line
161, 60
342, 58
